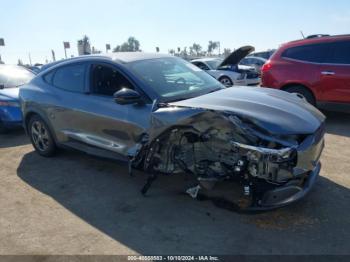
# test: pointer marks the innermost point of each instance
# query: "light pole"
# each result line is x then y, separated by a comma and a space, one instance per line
53, 56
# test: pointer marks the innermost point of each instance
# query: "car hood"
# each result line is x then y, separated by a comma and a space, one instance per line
9, 93
236, 56
275, 111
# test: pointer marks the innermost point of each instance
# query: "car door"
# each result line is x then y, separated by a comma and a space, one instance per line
335, 73
66, 98
106, 125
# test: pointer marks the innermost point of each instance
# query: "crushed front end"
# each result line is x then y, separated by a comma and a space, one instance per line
220, 147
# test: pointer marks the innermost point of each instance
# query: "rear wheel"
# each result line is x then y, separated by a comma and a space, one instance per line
302, 91
226, 81
41, 137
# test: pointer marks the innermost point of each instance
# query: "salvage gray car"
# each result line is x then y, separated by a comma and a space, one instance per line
164, 115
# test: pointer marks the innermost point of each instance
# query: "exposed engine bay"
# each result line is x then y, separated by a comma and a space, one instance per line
228, 149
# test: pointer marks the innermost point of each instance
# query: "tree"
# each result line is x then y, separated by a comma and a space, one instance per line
197, 48
227, 52
95, 51
184, 53
192, 53
172, 51
86, 45
131, 45
212, 46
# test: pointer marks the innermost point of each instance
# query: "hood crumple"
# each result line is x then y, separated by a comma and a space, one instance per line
276, 111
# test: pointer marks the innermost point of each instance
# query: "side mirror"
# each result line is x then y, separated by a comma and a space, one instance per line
127, 96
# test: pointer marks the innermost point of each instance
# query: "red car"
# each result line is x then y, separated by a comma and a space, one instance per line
318, 68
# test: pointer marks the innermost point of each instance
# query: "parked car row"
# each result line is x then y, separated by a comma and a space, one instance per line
229, 71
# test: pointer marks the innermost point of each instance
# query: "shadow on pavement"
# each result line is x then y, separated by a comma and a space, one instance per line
338, 123
14, 138
168, 222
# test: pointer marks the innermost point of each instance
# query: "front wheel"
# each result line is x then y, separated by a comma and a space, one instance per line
41, 137
226, 81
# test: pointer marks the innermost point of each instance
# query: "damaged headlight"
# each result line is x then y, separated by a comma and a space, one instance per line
270, 164
254, 153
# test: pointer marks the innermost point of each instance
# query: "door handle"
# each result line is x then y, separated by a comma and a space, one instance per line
327, 73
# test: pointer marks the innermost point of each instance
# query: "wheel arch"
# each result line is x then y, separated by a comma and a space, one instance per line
32, 112
228, 77
225, 75
286, 86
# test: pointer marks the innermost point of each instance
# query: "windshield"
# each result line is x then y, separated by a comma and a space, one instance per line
13, 76
214, 64
174, 79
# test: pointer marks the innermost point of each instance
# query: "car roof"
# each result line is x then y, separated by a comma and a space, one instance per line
256, 57
206, 59
321, 39
119, 57
16, 66
127, 57
7, 65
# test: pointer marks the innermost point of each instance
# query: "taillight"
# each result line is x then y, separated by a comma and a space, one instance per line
266, 67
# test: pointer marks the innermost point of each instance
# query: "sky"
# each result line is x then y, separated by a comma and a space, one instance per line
39, 26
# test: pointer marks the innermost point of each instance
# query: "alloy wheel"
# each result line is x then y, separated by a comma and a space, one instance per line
40, 136
226, 81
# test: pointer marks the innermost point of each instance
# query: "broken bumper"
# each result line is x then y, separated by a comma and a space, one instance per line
288, 194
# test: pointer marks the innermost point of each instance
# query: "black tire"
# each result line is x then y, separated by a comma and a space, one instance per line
41, 137
226, 81
302, 91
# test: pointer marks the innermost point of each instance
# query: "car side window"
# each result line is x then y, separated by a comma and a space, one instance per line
70, 78
309, 53
201, 66
339, 53
249, 61
49, 76
107, 80
259, 62
244, 61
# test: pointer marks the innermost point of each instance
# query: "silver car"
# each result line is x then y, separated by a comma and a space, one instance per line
253, 61
228, 71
